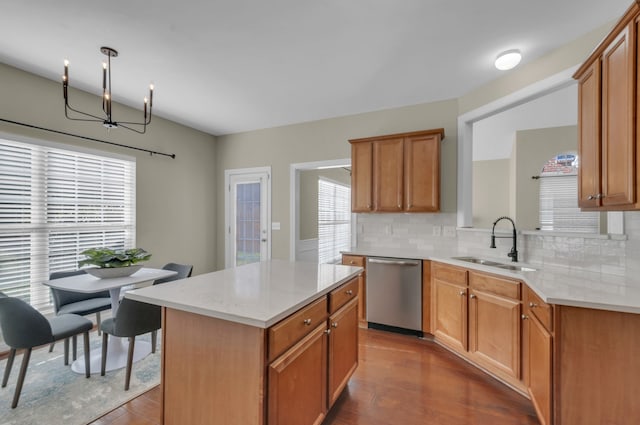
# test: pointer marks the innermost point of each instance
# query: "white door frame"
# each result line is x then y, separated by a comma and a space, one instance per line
228, 255
294, 197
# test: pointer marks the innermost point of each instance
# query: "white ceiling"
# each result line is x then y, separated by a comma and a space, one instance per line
225, 66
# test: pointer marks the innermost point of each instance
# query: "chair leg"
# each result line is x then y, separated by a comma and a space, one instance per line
105, 341
66, 351
98, 321
74, 344
7, 369
51, 346
154, 340
87, 359
132, 343
23, 371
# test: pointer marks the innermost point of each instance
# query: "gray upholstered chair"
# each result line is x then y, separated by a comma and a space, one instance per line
24, 327
184, 271
70, 302
132, 318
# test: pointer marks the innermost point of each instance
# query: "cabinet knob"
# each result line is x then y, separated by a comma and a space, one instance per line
591, 197
533, 305
368, 206
472, 296
399, 206
352, 262
599, 196
463, 293
334, 325
327, 331
349, 292
307, 322
524, 317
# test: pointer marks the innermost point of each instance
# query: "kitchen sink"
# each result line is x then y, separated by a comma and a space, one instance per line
481, 261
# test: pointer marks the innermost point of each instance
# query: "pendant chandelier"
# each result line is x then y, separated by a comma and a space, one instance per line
107, 119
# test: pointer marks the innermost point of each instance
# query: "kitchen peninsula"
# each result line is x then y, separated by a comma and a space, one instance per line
273, 342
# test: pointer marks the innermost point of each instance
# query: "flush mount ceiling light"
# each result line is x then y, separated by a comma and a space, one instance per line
507, 60
107, 120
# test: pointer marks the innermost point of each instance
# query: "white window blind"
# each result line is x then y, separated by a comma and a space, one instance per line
334, 220
55, 203
559, 209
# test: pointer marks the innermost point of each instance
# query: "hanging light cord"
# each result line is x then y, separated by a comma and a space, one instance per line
150, 152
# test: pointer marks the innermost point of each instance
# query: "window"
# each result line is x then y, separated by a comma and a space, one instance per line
334, 220
559, 209
55, 203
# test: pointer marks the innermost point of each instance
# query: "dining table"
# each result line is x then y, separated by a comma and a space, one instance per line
118, 347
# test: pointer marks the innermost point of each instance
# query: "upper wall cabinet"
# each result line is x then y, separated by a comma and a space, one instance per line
607, 125
397, 172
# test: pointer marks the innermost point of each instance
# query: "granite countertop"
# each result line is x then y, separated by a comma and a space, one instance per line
555, 285
259, 294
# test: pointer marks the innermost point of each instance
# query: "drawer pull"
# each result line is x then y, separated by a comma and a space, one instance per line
352, 262
349, 292
307, 322
334, 325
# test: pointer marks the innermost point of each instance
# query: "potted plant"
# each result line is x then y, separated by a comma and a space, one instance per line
113, 262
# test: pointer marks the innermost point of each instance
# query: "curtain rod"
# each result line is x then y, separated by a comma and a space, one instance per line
171, 155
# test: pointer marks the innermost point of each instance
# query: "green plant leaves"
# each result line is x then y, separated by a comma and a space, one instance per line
109, 258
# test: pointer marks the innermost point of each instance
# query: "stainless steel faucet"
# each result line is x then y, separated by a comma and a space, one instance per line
513, 254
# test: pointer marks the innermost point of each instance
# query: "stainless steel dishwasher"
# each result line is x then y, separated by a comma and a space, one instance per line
394, 294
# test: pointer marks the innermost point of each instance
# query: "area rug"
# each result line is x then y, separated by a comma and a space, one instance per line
53, 394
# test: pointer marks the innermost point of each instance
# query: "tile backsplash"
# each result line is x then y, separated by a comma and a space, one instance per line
616, 254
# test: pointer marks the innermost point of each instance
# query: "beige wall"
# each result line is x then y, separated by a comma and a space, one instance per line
325, 140
490, 191
175, 207
309, 197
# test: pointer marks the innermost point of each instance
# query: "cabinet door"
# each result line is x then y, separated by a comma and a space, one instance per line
343, 348
494, 332
422, 173
539, 371
388, 174
362, 177
618, 112
298, 382
450, 314
589, 138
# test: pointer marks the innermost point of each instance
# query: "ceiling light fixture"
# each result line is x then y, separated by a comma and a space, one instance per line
107, 120
508, 60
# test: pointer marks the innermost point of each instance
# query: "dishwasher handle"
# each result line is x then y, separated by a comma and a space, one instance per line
394, 262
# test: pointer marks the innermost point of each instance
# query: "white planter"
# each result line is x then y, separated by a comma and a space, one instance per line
112, 272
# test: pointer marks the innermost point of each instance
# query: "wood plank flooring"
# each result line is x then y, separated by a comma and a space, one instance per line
400, 380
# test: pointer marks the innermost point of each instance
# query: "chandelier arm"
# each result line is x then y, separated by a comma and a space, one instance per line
66, 114
143, 131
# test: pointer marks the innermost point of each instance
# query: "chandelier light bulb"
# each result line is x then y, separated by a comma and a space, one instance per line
508, 59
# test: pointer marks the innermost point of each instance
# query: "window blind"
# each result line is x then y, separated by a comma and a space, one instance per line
559, 209
55, 203
334, 220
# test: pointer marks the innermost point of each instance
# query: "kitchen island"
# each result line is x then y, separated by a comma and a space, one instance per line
273, 342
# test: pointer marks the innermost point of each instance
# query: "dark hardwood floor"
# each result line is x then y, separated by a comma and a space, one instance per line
400, 380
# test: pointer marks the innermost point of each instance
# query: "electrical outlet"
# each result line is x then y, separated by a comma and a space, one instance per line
437, 230
449, 231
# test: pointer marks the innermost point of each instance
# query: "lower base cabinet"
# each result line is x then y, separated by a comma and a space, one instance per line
539, 368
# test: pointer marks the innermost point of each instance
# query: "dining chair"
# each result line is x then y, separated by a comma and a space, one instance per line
24, 327
184, 271
70, 302
133, 318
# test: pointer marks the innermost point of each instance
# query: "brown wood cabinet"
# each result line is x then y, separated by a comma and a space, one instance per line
360, 261
398, 172
449, 306
494, 324
538, 357
607, 126
343, 348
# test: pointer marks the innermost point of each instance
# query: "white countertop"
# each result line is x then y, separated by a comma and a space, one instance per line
258, 294
555, 285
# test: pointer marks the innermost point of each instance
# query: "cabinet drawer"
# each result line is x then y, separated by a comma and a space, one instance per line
341, 295
353, 260
540, 309
495, 285
451, 274
288, 331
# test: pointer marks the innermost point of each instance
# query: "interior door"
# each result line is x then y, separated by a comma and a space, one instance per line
248, 235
